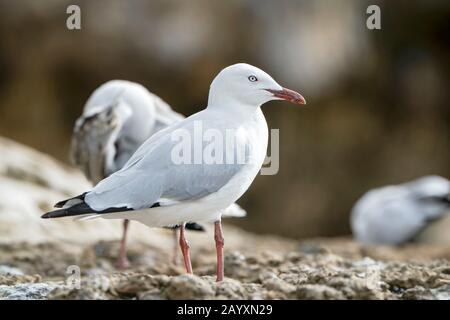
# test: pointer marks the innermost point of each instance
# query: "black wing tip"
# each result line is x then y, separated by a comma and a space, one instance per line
60, 204
54, 214
443, 200
194, 227
80, 209
447, 200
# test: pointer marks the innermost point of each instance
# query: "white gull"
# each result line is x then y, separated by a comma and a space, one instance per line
395, 214
155, 191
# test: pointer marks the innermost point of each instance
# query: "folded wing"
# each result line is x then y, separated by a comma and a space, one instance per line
152, 176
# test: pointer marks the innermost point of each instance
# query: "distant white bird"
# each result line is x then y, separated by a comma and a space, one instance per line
117, 118
396, 214
158, 191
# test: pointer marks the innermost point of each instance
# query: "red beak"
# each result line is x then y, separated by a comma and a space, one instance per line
288, 95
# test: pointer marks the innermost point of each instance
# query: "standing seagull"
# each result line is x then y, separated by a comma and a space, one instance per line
396, 214
157, 190
117, 118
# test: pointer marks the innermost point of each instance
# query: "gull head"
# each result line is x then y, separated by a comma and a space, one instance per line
243, 84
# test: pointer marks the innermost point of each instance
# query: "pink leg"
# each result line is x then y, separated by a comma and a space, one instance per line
184, 245
122, 261
218, 237
175, 247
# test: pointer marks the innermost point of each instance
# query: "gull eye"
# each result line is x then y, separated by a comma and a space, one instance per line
252, 79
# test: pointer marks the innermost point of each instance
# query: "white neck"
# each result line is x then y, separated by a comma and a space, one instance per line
236, 110
219, 100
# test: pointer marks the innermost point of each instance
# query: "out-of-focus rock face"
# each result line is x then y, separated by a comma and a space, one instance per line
177, 33
22, 164
313, 32
437, 232
30, 183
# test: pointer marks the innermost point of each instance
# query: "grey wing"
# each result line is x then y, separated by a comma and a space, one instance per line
93, 144
189, 182
151, 175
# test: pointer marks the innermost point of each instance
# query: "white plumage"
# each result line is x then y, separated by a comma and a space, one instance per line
396, 214
156, 190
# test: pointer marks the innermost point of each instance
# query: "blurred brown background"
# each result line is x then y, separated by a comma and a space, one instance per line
377, 110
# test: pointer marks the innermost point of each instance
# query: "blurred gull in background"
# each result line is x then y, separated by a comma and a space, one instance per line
394, 215
117, 118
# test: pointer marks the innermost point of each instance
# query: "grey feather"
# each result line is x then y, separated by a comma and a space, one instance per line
94, 143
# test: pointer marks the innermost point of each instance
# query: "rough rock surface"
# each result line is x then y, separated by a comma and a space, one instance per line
255, 274
63, 259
